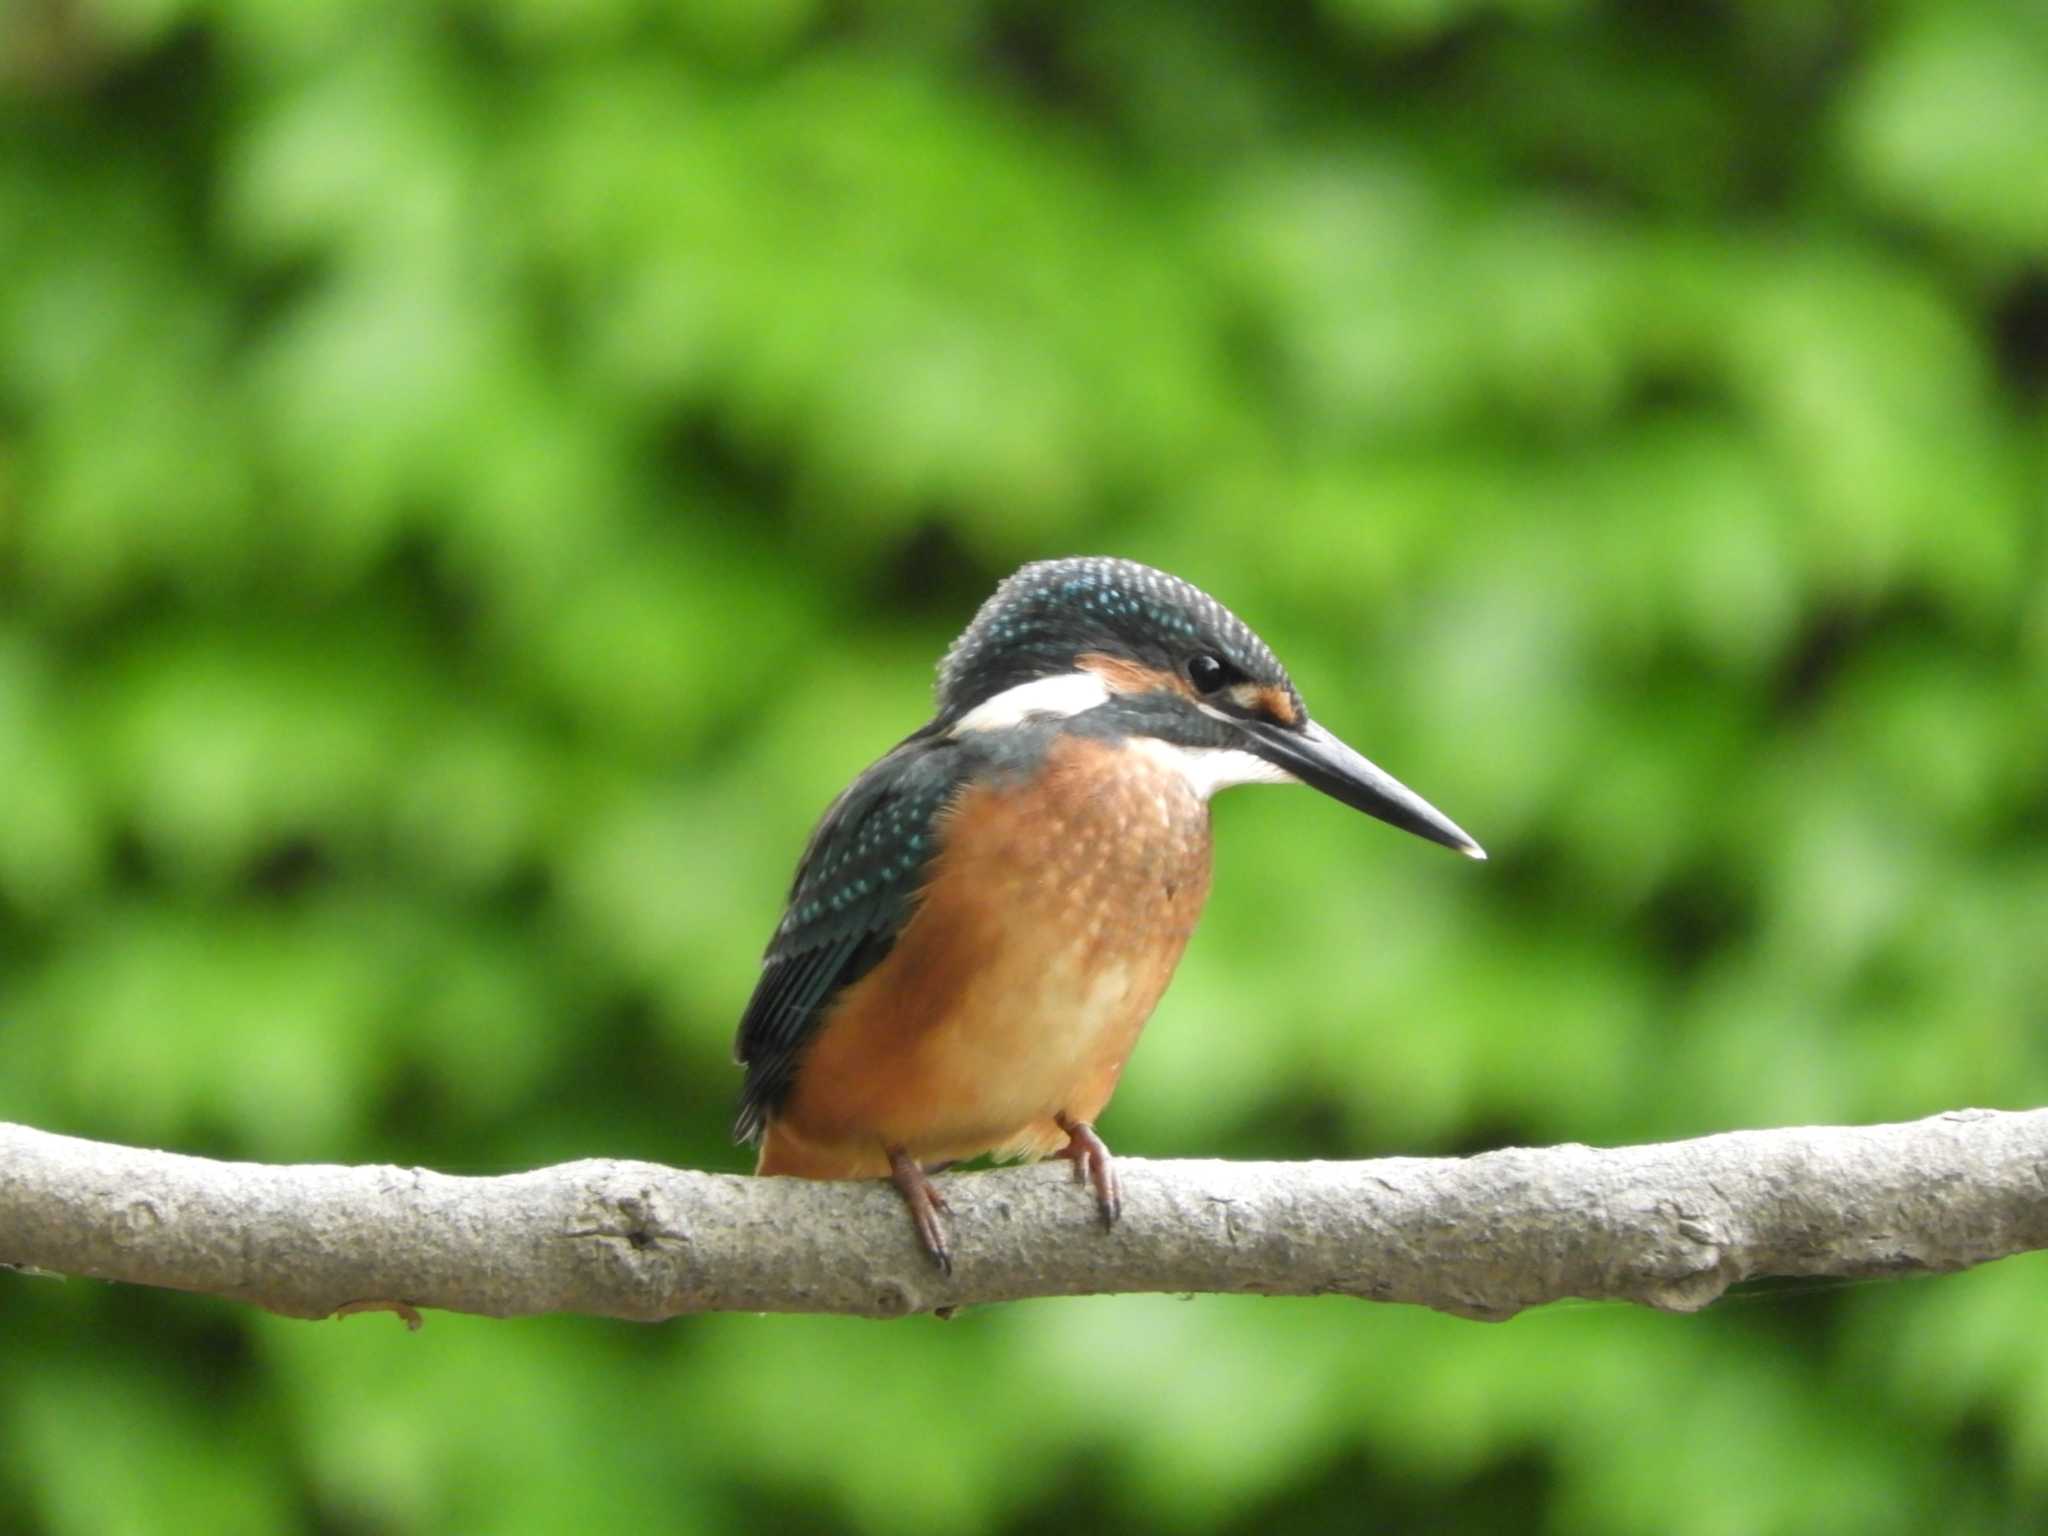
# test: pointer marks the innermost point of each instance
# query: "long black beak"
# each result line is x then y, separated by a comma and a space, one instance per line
1323, 762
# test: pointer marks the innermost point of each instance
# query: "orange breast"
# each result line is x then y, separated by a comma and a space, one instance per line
1051, 923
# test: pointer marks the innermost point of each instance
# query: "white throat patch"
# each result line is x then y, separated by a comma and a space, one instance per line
1208, 769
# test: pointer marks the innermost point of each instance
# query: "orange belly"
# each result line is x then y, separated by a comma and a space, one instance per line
1050, 925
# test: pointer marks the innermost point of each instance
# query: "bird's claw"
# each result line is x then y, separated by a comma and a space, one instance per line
926, 1204
1092, 1162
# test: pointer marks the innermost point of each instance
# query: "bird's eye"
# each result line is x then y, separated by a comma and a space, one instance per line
1207, 673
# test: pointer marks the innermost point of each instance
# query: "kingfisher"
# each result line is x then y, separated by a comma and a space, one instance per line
983, 921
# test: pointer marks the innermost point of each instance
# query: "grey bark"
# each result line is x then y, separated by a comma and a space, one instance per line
1669, 1226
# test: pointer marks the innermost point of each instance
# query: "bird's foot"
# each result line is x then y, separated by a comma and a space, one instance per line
925, 1202
1092, 1162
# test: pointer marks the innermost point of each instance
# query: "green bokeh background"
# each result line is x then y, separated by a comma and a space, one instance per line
475, 479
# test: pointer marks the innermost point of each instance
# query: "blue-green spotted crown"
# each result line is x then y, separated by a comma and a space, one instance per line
1047, 614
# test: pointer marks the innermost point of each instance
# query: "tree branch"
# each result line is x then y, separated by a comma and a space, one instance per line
1670, 1226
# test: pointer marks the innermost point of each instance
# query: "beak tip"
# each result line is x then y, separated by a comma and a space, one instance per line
1309, 754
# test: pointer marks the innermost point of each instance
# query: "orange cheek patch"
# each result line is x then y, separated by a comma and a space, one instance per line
1130, 677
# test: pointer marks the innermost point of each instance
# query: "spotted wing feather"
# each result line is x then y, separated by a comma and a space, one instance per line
855, 887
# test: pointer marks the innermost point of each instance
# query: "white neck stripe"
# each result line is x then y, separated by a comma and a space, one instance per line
1065, 694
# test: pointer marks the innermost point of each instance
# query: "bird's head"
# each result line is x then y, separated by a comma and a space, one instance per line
1170, 667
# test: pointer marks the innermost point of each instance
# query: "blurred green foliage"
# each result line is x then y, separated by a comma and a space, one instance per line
476, 478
